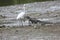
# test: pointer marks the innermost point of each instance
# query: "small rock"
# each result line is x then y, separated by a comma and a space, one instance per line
2, 26
1, 16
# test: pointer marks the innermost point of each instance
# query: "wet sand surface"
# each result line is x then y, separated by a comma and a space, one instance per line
29, 33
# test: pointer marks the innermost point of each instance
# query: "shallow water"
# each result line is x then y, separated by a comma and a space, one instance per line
45, 10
